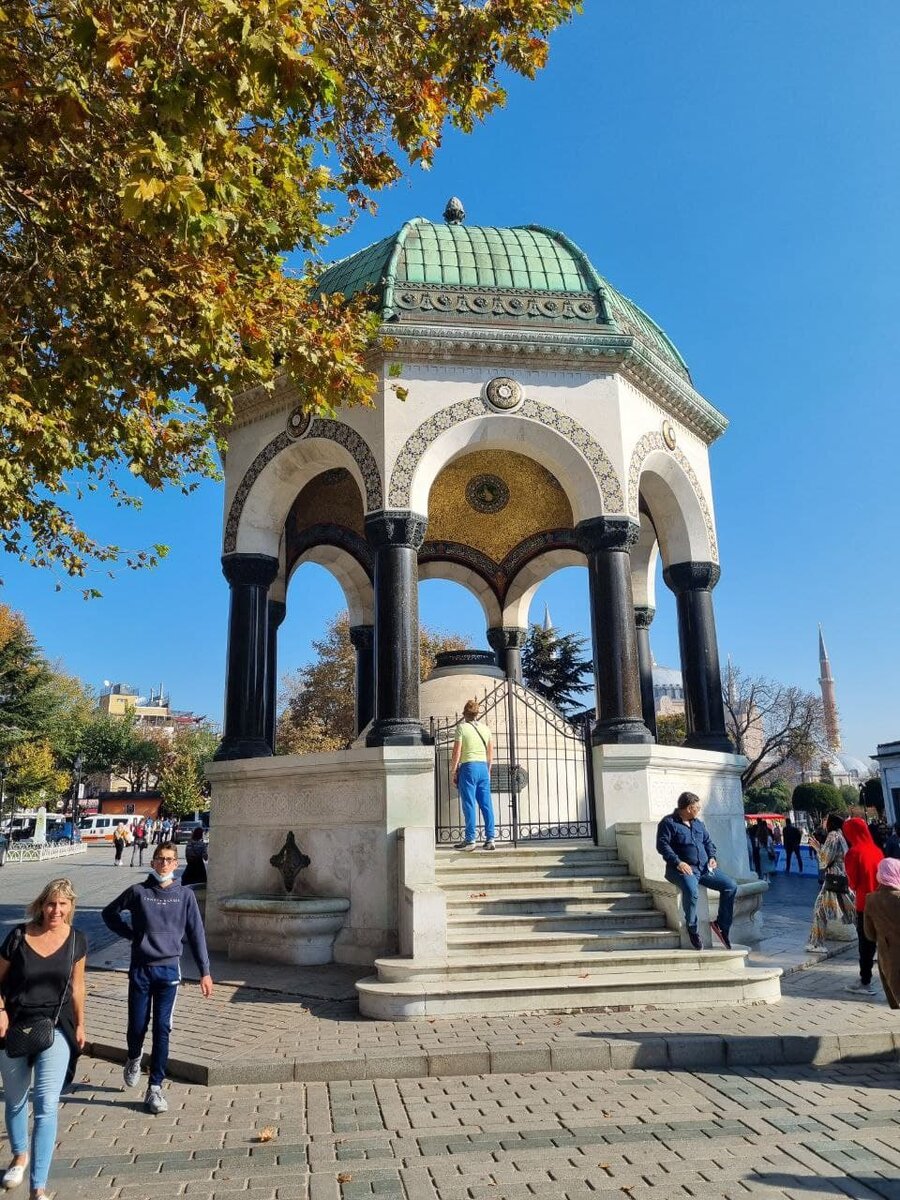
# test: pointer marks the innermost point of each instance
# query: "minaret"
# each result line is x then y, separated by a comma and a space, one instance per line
826, 683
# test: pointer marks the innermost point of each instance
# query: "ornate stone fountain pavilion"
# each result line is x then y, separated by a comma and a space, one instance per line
529, 417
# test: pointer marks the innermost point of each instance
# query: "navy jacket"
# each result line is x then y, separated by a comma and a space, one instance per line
159, 920
677, 841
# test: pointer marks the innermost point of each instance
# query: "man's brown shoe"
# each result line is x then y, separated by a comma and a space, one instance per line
720, 933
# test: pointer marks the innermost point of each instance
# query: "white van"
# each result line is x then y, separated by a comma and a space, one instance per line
101, 827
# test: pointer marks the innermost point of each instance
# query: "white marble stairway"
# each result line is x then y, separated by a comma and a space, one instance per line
554, 928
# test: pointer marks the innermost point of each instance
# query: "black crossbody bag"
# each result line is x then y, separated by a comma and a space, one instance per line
28, 1037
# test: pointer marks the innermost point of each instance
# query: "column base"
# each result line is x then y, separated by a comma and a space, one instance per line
719, 742
620, 732
397, 732
243, 748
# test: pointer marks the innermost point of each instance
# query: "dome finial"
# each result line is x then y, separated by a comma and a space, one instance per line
454, 213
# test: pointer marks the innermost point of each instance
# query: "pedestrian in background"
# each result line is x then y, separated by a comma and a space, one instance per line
139, 845
41, 981
195, 857
863, 857
881, 921
792, 837
120, 841
835, 900
473, 753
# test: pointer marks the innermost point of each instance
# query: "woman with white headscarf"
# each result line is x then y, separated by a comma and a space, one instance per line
882, 925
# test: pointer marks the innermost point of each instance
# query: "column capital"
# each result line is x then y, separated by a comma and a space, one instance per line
259, 569
607, 533
507, 637
277, 613
362, 637
643, 616
691, 576
399, 527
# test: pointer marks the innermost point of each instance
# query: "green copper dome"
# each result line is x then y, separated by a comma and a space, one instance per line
525, 275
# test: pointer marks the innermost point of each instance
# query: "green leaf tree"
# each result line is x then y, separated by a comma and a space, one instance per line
671, 729
818, 799
116, 745
181, 780
156, 164
873, 794
554, 665
33, 778
773, 797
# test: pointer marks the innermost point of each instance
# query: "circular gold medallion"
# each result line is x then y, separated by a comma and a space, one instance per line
668, 432
298, 422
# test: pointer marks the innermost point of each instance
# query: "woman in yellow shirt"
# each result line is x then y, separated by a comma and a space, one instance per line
473, 753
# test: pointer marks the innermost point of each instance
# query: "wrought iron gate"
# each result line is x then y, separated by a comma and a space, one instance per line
542, 782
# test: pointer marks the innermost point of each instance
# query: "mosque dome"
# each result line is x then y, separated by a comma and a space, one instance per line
857, 769
525, 275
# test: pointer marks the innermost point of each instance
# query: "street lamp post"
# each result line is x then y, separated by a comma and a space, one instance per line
3, 838
78, 765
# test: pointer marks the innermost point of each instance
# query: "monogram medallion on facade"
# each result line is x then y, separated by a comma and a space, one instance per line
298, 423
503, 394
487, 494
429, 431
668, 432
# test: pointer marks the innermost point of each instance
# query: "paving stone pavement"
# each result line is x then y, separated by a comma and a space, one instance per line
782, 1131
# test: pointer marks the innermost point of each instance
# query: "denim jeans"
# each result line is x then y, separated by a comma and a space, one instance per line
152, 989
716, 881
474, 784
49, 1069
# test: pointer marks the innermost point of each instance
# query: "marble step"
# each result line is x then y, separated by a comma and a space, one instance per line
538, 884
517, 874
511, 944
559, 963
497, 900
547, 855
587, 920
406, 1000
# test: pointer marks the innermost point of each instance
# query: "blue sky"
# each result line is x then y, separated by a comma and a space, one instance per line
735, 169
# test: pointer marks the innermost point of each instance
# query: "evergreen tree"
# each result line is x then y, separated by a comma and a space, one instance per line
554, 666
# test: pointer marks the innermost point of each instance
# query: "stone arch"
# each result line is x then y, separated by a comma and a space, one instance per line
521, 590
579, 462
644, 556
668, 485
282, 468
350, 573
470, 579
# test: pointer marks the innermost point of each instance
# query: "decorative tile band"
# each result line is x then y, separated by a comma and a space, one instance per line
656, 441
464, 410
321, 427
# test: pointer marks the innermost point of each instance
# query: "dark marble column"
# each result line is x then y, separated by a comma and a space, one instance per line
244, 734
607, 542
277, 613
507, 641
363, 639
396, 537
704, 710
643, 619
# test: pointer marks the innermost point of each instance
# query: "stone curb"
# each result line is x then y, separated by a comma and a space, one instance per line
682, 1052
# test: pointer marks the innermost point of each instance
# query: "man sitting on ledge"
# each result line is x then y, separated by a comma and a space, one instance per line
690, 857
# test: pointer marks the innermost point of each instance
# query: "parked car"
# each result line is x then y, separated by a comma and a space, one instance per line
64, 832
184, 830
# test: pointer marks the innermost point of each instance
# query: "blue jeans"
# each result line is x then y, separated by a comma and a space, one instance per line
474, 784
716, 881
49, 1069
152, 989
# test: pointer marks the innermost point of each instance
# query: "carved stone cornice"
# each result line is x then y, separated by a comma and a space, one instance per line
692, 576
248, 569
565, 349
607, 533
396, 528
643, 616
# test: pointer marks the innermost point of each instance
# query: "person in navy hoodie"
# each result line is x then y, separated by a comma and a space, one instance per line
156, 916
690, 857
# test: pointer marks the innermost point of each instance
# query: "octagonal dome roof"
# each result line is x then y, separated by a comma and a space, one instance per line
526, 274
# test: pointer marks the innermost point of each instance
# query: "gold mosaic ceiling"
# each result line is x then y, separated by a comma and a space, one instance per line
491, 500
332, 498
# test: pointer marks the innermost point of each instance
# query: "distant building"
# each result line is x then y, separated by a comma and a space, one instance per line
153, 712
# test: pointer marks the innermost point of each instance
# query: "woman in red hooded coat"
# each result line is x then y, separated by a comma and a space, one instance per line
861, 864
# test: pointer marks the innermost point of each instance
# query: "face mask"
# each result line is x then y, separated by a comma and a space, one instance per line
162, 878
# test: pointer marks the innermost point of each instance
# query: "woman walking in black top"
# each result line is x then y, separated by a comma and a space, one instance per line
41, 975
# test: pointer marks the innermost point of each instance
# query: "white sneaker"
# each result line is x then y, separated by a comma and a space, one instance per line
155, 1102
132, 1071
13, 1176
861, 989
816, 949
